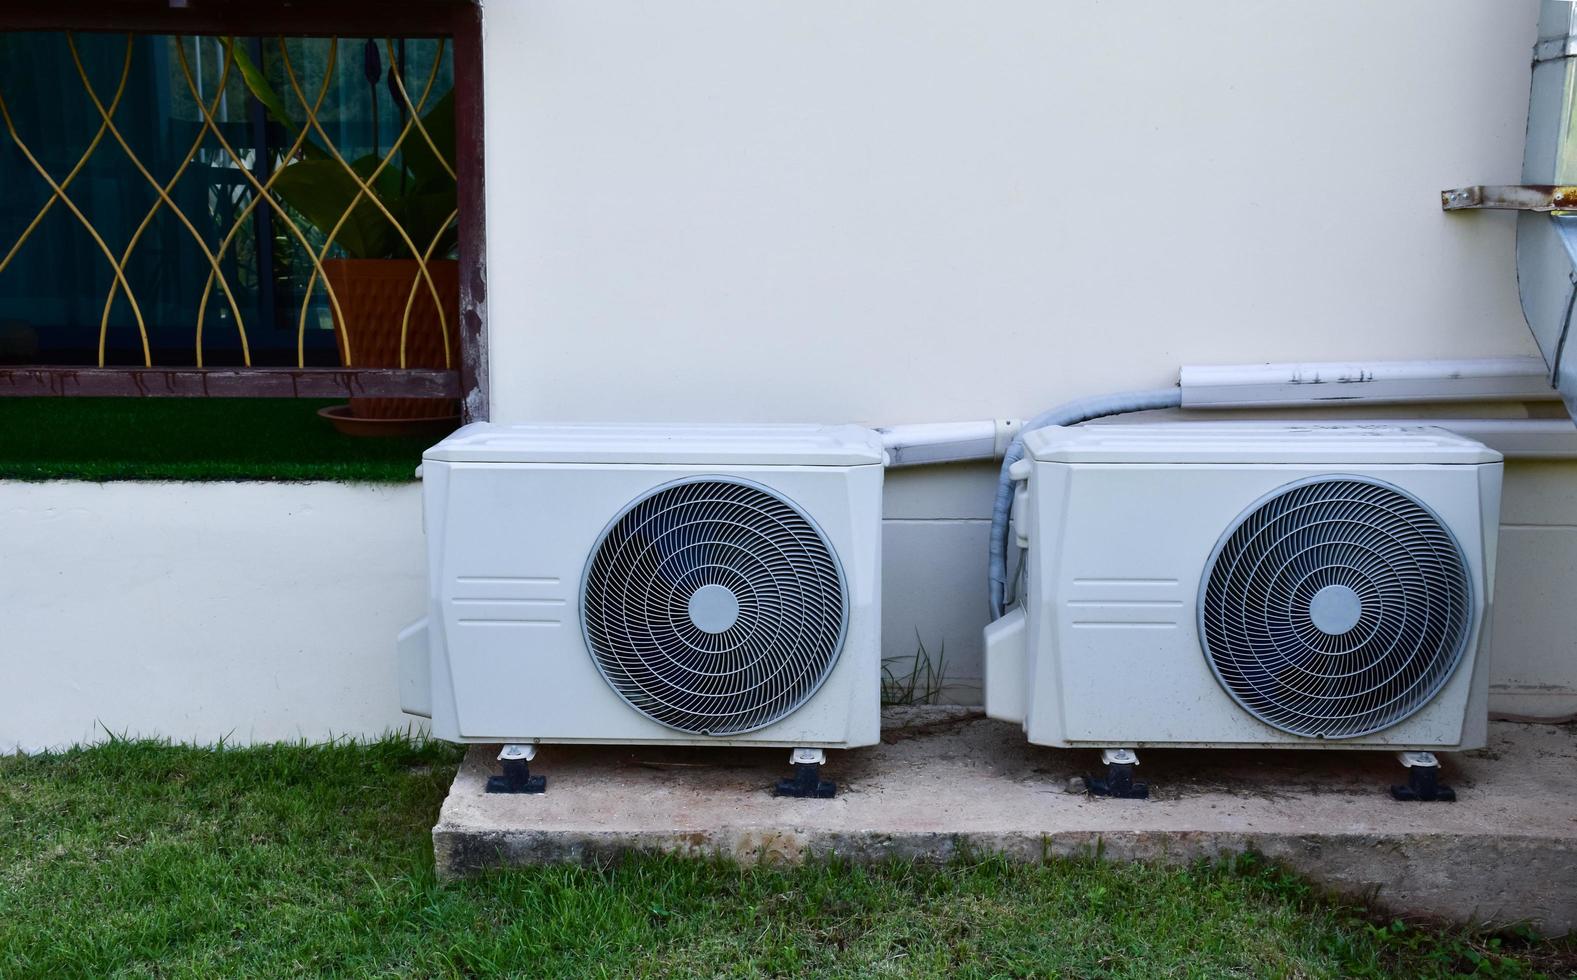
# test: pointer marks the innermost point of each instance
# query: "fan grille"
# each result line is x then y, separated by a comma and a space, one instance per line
1335, 608
714, 606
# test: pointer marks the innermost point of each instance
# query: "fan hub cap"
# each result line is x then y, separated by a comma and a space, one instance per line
1335, 610
714, 608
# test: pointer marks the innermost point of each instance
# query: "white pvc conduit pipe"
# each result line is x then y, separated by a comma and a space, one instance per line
947, 442
1512, 379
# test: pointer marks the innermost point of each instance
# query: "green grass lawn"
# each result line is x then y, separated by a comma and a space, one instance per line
191, 439
139, 859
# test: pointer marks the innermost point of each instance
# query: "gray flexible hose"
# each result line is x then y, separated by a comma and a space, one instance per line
1071, 413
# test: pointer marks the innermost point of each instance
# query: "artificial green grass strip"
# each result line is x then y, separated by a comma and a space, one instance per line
191, 439
140, 859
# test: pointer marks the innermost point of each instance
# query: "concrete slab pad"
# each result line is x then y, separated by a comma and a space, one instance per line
947, 781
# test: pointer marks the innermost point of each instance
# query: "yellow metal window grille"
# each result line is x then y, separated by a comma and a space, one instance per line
318, 195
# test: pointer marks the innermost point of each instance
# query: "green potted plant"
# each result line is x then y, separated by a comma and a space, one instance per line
373, 278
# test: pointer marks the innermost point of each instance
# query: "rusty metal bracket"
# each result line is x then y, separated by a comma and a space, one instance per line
1545, 200
1511, 197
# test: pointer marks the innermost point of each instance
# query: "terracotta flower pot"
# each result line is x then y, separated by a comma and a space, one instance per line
372, 294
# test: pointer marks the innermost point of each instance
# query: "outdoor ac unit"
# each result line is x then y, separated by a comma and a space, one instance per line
1250, 584
698, 585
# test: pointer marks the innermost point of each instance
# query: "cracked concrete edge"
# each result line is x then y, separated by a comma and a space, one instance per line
1482, 880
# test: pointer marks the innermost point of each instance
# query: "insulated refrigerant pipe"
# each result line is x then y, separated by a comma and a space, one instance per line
1072, 413
956, 442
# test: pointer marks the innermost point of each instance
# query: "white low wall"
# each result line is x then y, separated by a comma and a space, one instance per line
199, 611
256, 611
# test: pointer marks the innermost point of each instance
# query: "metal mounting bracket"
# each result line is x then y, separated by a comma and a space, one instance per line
1545, 201
1546, 263
1511, 197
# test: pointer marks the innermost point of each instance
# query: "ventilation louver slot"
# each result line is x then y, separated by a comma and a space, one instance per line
714, 607
1335, 608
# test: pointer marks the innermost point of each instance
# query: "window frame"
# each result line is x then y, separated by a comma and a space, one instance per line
458, 20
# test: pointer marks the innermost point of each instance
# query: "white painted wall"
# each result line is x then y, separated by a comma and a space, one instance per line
877, 211
258, 611
200, 611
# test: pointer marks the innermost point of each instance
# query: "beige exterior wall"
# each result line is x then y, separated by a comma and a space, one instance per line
935, 210
1534, 670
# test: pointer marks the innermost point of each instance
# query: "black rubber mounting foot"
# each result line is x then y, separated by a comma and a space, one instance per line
517, 778
806, 783
1118, 784
1424, 786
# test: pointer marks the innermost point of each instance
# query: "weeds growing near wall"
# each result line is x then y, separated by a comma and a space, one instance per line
919, 679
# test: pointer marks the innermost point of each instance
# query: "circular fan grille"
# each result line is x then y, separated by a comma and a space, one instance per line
1335, 607
714, 606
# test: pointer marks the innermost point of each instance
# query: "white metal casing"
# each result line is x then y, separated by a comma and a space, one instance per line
1121, 522
512, 514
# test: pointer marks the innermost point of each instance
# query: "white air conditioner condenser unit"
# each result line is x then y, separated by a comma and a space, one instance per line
1250, 584
680, 584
